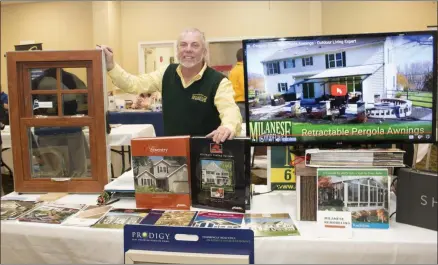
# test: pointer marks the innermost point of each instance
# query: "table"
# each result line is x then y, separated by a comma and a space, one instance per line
119, 136
122, 135
46, 243
138, 117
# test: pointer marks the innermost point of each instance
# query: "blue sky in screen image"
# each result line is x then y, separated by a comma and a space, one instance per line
406, 50
412, 49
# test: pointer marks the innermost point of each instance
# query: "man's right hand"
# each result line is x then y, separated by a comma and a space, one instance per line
109, 56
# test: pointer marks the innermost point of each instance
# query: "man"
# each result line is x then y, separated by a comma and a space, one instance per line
197, 100
4, 99
3, 115
238, 79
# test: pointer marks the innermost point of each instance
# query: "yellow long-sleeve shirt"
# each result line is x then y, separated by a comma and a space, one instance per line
148, 83
238, 80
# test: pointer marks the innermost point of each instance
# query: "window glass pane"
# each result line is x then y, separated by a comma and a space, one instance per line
59, 152
43, 79
332, 64
338, 56
331, 57
358, 87
305, 91
46, 79
356, 192
365, 193
74, 78
45, 105
75, 104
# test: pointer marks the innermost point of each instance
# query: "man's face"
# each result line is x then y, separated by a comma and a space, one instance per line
191, 50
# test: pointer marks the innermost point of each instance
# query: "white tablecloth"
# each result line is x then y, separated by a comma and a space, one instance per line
46, 243
121, 135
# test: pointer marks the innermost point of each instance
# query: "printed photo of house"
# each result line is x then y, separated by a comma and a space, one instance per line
353, 193
271, 224
216, 223
366, 197
302, 76
218, 220
161, 174
216, 173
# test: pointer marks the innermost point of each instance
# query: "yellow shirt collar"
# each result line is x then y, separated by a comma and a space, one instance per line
195, 78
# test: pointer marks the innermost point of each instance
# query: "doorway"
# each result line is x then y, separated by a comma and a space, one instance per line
163, 184
157, 57
154, 55
222, 55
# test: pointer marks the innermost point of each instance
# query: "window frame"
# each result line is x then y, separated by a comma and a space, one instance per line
21, 116
307, 61
289, 63
310, 88
335, 60
273, 68
282, 87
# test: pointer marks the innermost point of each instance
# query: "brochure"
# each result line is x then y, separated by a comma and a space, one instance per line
276, 224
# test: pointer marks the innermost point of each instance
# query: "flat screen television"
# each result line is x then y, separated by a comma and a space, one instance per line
341, 89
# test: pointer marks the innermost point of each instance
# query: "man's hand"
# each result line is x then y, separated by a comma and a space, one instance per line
109, 56
221, 134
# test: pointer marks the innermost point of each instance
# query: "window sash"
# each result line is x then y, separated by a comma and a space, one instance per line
335, 60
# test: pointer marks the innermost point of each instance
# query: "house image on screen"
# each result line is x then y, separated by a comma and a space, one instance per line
215, 175
309, 71
167, 175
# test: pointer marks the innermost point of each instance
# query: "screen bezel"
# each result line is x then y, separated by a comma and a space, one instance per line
433, 138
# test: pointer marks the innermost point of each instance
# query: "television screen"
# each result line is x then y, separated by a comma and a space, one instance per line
367, 88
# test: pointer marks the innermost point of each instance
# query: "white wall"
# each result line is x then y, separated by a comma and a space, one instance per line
372, 54
390, 80
271, 82
374, 85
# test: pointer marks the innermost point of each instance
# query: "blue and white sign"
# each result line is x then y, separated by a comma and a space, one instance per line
238, 243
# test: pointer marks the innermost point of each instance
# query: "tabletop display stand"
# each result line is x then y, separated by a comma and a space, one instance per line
58, 123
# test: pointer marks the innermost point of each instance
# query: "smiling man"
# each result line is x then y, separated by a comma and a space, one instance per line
197, 100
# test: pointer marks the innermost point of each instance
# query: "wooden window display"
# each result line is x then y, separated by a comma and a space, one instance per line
58, 120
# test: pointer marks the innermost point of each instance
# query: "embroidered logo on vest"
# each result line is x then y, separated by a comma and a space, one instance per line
199, 97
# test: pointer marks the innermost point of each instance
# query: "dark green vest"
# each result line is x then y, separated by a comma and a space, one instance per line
191, 110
